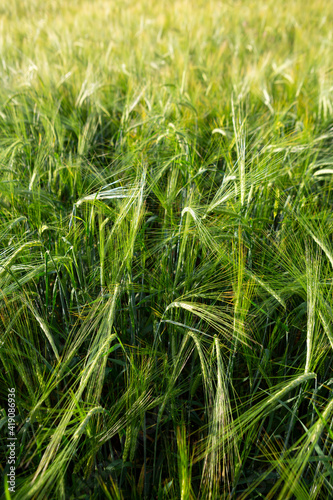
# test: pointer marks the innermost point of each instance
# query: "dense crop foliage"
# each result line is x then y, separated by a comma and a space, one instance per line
166, 249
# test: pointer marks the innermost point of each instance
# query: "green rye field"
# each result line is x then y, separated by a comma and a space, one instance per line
166, 250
